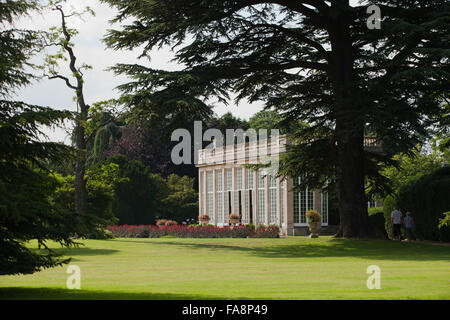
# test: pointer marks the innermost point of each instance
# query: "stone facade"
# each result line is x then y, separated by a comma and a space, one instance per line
226, 186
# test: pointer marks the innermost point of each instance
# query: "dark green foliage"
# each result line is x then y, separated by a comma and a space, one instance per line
142, 197
16, 46
100, 200
376, 218
444, 222
104, 129
181, 202
104, 138
26, 209
375, 210
333, 207
26, 213
271, 119
139, 199
412, 165
388, 206
427, 198
183, 211
227, 121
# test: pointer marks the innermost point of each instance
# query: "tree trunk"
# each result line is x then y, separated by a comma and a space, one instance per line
81, 196
354, 220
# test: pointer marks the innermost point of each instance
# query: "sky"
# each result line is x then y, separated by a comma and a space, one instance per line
100, 84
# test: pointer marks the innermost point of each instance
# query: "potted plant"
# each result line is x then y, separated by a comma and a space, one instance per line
313, 218
203, 219
234, 218
161, 222
171, 223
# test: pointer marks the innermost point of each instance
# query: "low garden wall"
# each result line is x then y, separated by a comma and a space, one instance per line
183, 231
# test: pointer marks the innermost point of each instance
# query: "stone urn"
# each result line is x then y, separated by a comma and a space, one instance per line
314, 228
203, 219
234, 219
313, 217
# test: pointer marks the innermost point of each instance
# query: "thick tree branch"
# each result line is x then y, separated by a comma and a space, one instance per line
58, 76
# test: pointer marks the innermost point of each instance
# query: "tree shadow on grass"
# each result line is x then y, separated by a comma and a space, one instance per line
84, 251
77, 252
23, 293
333, 248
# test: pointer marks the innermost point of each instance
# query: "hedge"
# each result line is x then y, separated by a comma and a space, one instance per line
388, 207
377, 220
427, 198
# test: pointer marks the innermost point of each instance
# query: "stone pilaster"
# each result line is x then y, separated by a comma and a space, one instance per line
289, 218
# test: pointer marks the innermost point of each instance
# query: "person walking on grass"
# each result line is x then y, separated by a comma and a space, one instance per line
396, 218
409, 226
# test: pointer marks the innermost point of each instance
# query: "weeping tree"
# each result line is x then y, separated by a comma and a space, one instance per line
103, 129
26, 187
331, 64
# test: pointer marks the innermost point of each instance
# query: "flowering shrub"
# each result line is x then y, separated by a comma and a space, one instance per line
271, 231
313, 216
241, 232
198, 231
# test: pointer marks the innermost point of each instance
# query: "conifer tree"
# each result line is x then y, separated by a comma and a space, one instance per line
322, 62
26, 211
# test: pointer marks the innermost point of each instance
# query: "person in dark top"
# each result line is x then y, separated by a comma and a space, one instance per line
409, 226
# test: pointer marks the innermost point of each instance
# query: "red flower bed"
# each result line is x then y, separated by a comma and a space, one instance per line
183, 231
267, 232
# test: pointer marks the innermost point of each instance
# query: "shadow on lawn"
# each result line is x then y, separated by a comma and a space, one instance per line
84, 251
365, 249
22, 293
79, 252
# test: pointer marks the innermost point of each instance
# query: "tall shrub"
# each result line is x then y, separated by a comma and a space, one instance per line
377, 219
388, 207
138, 199
427, 198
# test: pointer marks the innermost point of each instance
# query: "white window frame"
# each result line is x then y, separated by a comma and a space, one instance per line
324, 209
248, 188
219, 197
309, 204
273, 207
261, 214
210, 195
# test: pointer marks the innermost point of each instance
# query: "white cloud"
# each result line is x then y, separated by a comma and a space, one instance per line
88, 47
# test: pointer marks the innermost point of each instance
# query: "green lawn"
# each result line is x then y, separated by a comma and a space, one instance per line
294, 268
